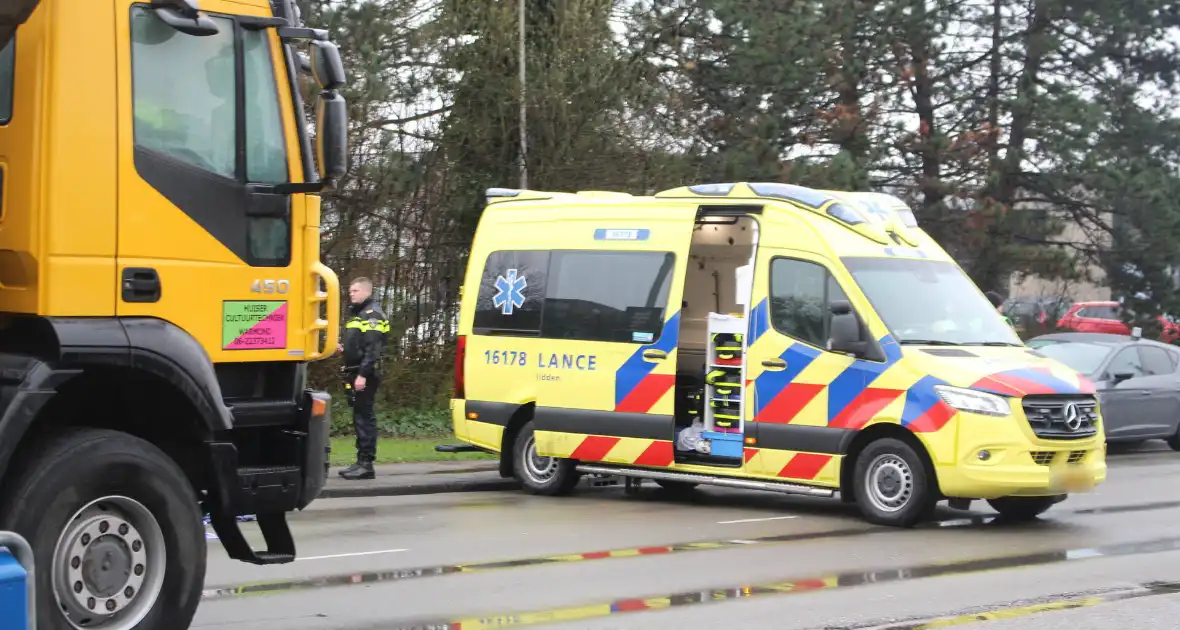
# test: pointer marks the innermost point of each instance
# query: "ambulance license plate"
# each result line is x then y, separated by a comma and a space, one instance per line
1073, 478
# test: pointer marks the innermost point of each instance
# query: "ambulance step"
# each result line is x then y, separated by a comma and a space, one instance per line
457, 448
708, 480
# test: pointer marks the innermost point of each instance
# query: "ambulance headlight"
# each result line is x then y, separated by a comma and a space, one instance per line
973, 401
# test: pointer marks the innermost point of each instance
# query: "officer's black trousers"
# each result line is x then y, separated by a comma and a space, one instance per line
364, 421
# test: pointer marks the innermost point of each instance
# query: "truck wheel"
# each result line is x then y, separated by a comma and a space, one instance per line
1023, 508
550, 476
891, 484
115, 529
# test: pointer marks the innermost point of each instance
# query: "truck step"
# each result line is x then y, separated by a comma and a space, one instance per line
457, 448
267, 492
708, 480
280, 545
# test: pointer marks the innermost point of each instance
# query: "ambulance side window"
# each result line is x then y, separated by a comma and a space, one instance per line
512, 294
800, 293
607, 296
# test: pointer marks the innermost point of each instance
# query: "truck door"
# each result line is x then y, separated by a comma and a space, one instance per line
609, 334
205, 128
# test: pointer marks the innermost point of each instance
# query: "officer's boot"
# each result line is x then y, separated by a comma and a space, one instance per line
360, 470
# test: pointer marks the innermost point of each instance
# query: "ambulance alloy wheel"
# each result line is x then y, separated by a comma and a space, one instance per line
115, 529
541, 475
891, 484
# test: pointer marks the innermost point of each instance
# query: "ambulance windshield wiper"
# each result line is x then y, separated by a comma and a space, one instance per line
927, 342
993, 343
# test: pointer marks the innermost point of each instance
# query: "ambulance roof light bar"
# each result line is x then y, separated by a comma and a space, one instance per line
497, 194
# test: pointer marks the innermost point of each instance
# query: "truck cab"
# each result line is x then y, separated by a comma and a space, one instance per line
161, 292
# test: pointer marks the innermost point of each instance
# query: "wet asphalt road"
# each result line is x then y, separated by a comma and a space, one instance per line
716, 559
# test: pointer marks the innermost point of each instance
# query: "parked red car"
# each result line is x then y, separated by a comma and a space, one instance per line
1106, 317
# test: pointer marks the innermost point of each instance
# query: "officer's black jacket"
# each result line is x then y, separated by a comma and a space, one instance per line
364, 338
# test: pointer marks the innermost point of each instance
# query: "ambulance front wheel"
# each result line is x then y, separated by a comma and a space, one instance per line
550, 476
891, 484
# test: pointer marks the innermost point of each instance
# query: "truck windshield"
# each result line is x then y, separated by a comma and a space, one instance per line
930, 302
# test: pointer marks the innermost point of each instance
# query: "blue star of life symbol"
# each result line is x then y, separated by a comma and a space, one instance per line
510, 293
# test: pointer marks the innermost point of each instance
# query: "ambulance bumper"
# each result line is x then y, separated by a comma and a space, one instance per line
999, 457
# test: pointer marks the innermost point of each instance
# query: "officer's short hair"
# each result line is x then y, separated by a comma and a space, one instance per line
363, 281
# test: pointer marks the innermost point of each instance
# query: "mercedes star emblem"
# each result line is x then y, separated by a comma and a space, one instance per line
1073, 418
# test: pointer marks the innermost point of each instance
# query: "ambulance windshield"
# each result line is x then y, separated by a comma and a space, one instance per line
932, 302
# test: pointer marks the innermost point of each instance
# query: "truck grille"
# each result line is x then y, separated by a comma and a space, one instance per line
1048, 416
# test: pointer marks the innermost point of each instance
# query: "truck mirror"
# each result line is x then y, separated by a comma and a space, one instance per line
332, 136
326, 65
185, 16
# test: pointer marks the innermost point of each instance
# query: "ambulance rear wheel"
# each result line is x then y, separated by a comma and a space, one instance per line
891, 484
550, 476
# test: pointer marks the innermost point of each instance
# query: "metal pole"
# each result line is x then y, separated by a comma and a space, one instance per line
524, 171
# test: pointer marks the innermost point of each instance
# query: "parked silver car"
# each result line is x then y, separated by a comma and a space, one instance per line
1138, 381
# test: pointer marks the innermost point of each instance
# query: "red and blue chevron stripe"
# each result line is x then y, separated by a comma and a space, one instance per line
779, 397
851, 402
759, 321
1031, 381
637, 390
925, 411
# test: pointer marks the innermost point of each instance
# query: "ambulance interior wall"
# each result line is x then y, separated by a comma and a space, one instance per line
717, 251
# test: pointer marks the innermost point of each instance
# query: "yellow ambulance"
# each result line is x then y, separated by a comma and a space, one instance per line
760, 336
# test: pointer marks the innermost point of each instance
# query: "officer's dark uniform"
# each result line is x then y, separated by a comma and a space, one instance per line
364, 342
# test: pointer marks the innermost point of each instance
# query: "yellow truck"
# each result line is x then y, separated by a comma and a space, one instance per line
161, 293
760, 336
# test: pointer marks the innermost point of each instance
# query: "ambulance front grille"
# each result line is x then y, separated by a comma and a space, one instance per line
1062, 417
1045, 458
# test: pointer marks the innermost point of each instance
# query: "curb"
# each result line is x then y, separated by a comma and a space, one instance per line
361, 489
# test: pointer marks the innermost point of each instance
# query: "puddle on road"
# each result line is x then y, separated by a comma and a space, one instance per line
393, 575
1044, 605
786, 587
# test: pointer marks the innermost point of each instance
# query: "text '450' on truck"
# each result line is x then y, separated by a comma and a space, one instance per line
160, 293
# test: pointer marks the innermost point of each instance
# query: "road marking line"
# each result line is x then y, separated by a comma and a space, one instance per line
756, 520
352, 555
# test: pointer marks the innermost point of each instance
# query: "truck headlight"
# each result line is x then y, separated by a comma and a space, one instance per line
974, 401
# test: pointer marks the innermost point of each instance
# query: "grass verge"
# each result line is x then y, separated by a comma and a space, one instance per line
401, 450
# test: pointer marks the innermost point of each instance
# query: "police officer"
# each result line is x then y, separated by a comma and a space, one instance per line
362, 344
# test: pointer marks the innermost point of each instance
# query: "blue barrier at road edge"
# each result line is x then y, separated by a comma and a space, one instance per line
17, 582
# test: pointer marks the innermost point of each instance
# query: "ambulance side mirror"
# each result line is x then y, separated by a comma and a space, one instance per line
849, 334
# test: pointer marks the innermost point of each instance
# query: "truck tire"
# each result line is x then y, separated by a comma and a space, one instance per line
550, 476
892, 485
106, 513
